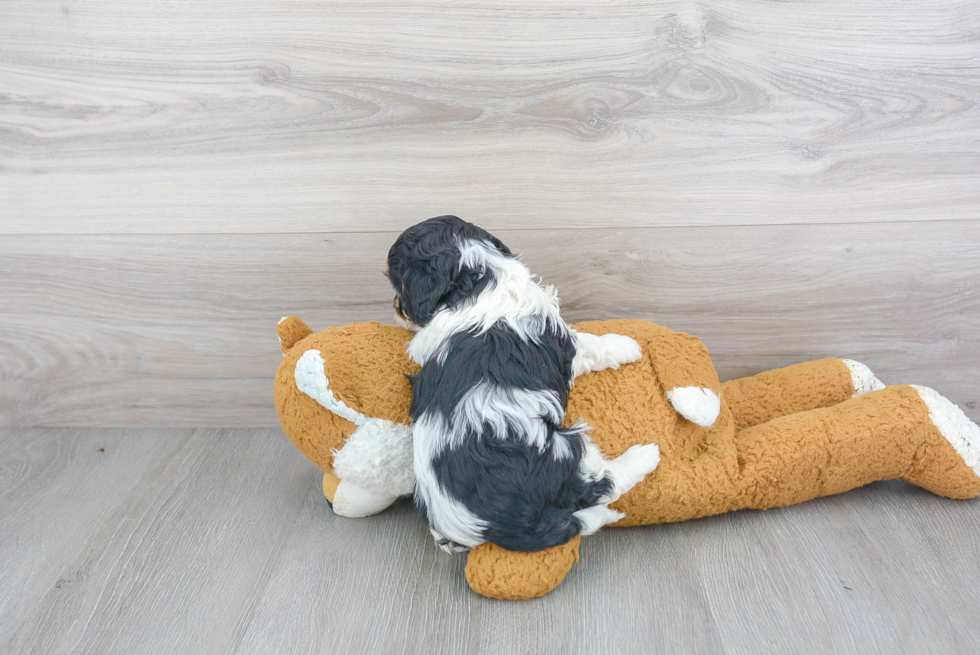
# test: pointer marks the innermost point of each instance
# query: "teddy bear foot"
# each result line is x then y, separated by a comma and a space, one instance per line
495, 572
862, 378
352, 501
962, 433
945, 457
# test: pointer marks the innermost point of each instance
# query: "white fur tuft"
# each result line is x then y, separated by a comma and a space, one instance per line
511, 411
962, 433
515, 297
595, 517
862, 378
696, 404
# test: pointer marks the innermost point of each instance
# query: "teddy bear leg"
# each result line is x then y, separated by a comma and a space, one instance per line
353, 501
495, 572
883, 435
798, 388
330, 484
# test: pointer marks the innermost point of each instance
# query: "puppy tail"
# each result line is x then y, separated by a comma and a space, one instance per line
291, 330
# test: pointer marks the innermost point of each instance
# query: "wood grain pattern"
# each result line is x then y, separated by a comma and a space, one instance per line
179, 329
175, 117
181, 558
226, 545
56, 490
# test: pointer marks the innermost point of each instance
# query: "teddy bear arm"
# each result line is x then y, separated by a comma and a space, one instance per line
683, 366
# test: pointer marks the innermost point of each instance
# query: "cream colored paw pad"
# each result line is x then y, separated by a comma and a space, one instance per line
962, 433
862, 378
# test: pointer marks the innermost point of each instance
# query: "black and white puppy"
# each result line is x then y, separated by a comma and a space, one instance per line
492, 462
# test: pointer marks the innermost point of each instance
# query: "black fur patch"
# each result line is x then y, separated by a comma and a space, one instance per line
424, 267
498, 356
526, 496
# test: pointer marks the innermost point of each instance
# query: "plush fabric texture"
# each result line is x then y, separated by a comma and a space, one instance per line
507, 575
365, 364
330, 484
781, 437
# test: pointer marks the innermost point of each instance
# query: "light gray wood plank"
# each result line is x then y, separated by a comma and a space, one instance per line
350, 115
226, 545
57, 488
178, 566
831, 573
180, 329
379, 585
942, 558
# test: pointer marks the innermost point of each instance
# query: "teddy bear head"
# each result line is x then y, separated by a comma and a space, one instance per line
338, 383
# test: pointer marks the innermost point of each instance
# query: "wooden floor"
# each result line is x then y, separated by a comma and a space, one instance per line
219, 541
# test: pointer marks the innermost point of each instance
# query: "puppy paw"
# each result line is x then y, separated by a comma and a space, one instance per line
446, 545
696, 404
595, 353
621, 349
631, 467
593, 518
642, 458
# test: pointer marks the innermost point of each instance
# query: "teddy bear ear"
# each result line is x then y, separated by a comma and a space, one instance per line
290, 331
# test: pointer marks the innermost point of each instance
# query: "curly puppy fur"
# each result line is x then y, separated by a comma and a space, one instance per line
492, 462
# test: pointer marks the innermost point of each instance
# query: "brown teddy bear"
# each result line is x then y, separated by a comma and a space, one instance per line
781, 437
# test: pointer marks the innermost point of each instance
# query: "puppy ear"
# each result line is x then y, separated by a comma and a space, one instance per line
437, 281
421, 280
424, 267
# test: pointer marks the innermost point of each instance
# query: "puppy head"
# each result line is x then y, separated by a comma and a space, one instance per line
427, 270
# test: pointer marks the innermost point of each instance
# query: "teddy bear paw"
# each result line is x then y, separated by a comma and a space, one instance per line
353, 501
962, 433
696, 404
862, 378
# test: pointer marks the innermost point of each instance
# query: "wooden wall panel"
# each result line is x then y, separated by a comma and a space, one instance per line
180, 329
310, 116
175, 176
